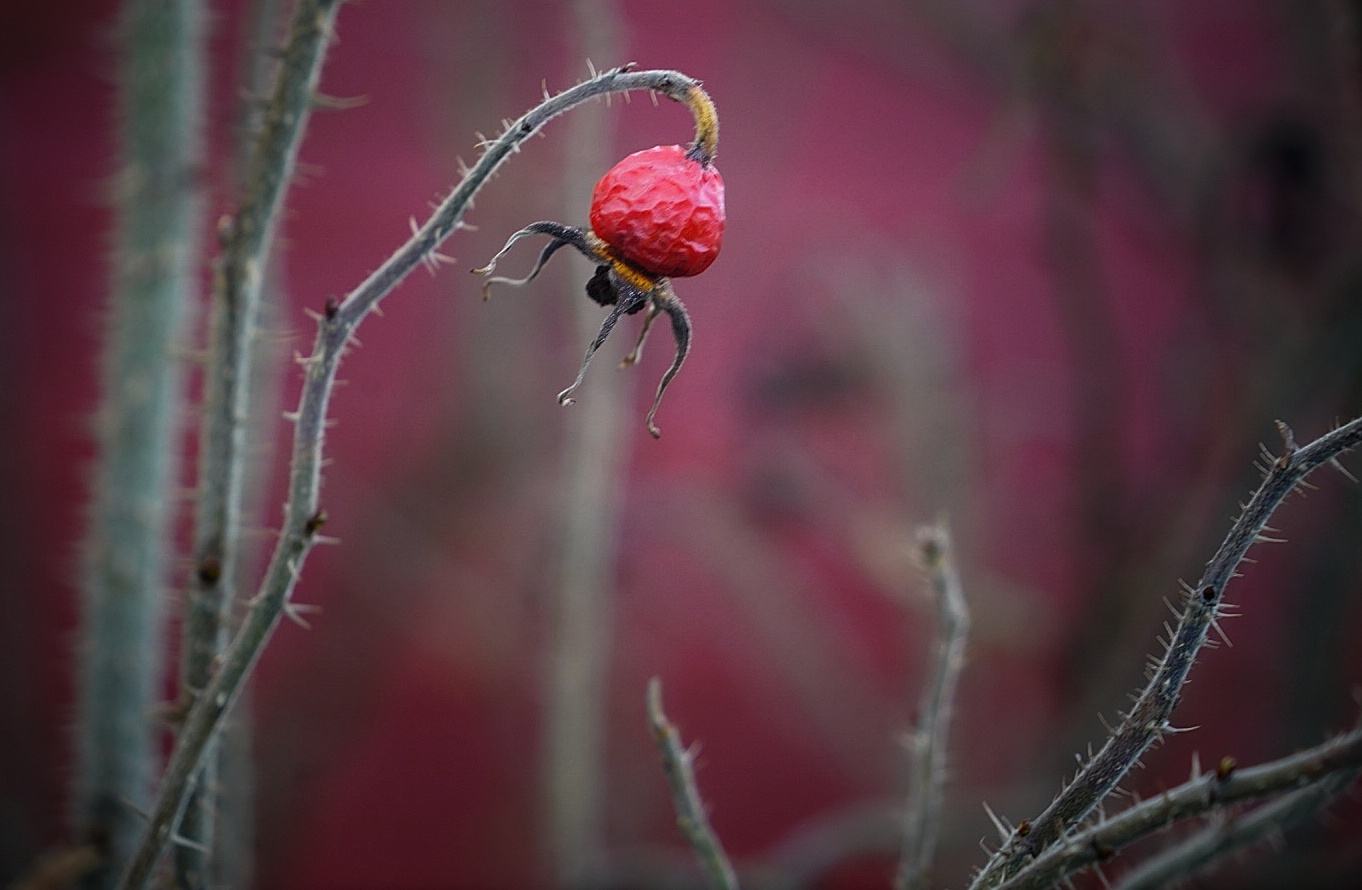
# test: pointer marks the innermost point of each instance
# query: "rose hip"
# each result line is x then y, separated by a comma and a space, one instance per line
662, 210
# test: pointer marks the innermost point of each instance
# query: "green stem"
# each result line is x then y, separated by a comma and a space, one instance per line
138, 435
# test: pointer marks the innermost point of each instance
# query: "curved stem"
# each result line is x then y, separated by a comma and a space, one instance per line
706, 144
303, 517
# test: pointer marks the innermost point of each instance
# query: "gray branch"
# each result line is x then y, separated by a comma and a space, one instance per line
691, 817
1213, 844
1147, 719
303, 517
1318, 771
922, 819
237, 284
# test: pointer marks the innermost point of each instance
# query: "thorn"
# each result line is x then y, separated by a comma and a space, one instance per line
338, 103
180, 840
295, 611
138, 811
1289, 442
308, 170
1220, 632
1334, 462
1004, 830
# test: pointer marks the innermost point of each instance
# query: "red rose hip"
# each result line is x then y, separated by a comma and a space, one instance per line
662, 210
656, 215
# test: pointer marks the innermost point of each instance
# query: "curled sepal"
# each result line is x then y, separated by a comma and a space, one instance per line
617, 284
664, 299
561, 235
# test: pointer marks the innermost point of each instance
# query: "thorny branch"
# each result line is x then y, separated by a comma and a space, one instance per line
237, 286
303, 515
1236, 832
922, 820
1320, 768
690, 809
1147, 719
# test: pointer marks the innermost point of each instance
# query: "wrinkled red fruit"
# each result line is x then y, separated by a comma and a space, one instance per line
662, 211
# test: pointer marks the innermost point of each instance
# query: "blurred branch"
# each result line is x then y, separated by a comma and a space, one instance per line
1147, 720
303, 516
594, 469
1312, 778
690, 809
1215, 843
137, 430
246, 237
922, 823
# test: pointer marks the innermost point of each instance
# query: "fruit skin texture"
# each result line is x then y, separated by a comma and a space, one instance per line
662, 211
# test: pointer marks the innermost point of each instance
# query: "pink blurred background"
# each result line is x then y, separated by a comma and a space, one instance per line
1049, 270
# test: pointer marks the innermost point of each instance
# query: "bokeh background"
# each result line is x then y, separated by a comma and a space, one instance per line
1047, 269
